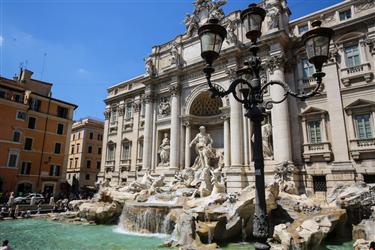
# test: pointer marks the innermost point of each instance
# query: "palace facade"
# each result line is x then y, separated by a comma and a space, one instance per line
34, 136
328, 139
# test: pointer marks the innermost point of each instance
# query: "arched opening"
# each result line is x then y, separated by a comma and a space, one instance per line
204, 105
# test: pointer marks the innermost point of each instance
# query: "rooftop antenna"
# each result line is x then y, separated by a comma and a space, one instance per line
43, 66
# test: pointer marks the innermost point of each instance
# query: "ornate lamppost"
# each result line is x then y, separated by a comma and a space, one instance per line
248, 90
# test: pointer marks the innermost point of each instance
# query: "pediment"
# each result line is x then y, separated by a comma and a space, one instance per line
313, 111
360, 103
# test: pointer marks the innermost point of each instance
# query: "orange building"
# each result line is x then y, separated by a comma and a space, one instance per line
34, 136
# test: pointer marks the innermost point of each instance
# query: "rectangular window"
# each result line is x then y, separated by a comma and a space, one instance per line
57, 148
16, 136
99, 151
26, 168
72, 150
60, 129
21, 115
363, 126
76, 163
302, 29
91, 135
352, 56
32, 123
62, 112
35, 104
70, 163
18, 98
111, 152
87, 177
28, 143
314, 132
2, 93
78, 148
125, 151
12, 159
88, 164
98, 165
89, 149
128, 111
54, 170
308, 68
345, 15
320, 183
369, 178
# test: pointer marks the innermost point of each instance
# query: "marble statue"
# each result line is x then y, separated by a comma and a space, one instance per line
231, 28
273, 14
215, 10
32, 201
11, 199
205, 187
191, 24
157, 184
203, 147
143, 184
267, 140
176, 58
164, 107
218, 182
164, 150
149, 66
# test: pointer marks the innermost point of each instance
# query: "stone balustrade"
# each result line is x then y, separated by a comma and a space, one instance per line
361, 146
355, 72
317, 152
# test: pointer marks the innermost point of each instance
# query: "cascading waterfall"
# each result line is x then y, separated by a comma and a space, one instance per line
208, 223
146, 219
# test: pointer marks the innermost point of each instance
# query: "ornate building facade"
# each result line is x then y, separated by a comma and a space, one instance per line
152, 119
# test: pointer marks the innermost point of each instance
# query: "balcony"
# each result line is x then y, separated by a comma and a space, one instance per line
361, 147
109, 166
362, 71
128, 125
317, 152
125, 165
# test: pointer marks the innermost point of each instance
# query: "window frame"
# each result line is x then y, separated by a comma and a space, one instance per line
345, 16
356, 125
28, 122
309, 135
21, 119
10, 153
350, 60
31, 146
310, 68
20, 135
26, 165
55, 147
58, 129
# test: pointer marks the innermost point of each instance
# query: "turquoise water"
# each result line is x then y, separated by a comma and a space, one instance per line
43, 234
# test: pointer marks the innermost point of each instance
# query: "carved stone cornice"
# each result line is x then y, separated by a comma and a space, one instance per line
276, 62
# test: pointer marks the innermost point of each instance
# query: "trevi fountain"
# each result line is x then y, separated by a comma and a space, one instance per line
194, 211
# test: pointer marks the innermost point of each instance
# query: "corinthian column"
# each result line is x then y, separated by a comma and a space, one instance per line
147, 137
226, 119
187, 145
175, 125
282, 146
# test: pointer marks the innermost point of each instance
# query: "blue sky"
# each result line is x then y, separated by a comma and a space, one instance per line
89, 45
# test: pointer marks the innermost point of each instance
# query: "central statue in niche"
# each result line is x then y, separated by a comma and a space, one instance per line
203, 147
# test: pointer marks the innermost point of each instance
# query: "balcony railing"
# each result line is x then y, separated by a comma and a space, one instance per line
125, 165
360, 146
355, 72
317, 151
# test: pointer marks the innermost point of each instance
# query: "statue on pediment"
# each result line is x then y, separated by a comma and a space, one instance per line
150, 67
176, 57
273, 14
231, 28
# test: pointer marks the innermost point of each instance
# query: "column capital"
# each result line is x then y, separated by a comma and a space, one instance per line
137, 105
107, 114
174, 89
187, 123
148, 97
121, 110
225, 116
275, 62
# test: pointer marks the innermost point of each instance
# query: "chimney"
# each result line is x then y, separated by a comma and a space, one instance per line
25, 75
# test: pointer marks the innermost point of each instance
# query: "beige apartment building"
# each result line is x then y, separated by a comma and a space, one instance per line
328, 139
85, 152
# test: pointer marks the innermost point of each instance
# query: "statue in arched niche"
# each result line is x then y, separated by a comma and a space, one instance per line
267, 139
203, 147
164, 150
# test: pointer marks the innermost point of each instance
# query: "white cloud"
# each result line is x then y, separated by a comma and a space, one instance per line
82, 71
1, 41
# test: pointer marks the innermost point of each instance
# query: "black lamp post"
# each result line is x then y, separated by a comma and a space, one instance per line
247, 89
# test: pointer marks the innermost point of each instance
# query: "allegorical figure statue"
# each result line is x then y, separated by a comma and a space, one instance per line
267, 140
164, 150
191, 24
203, 147
164, 107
